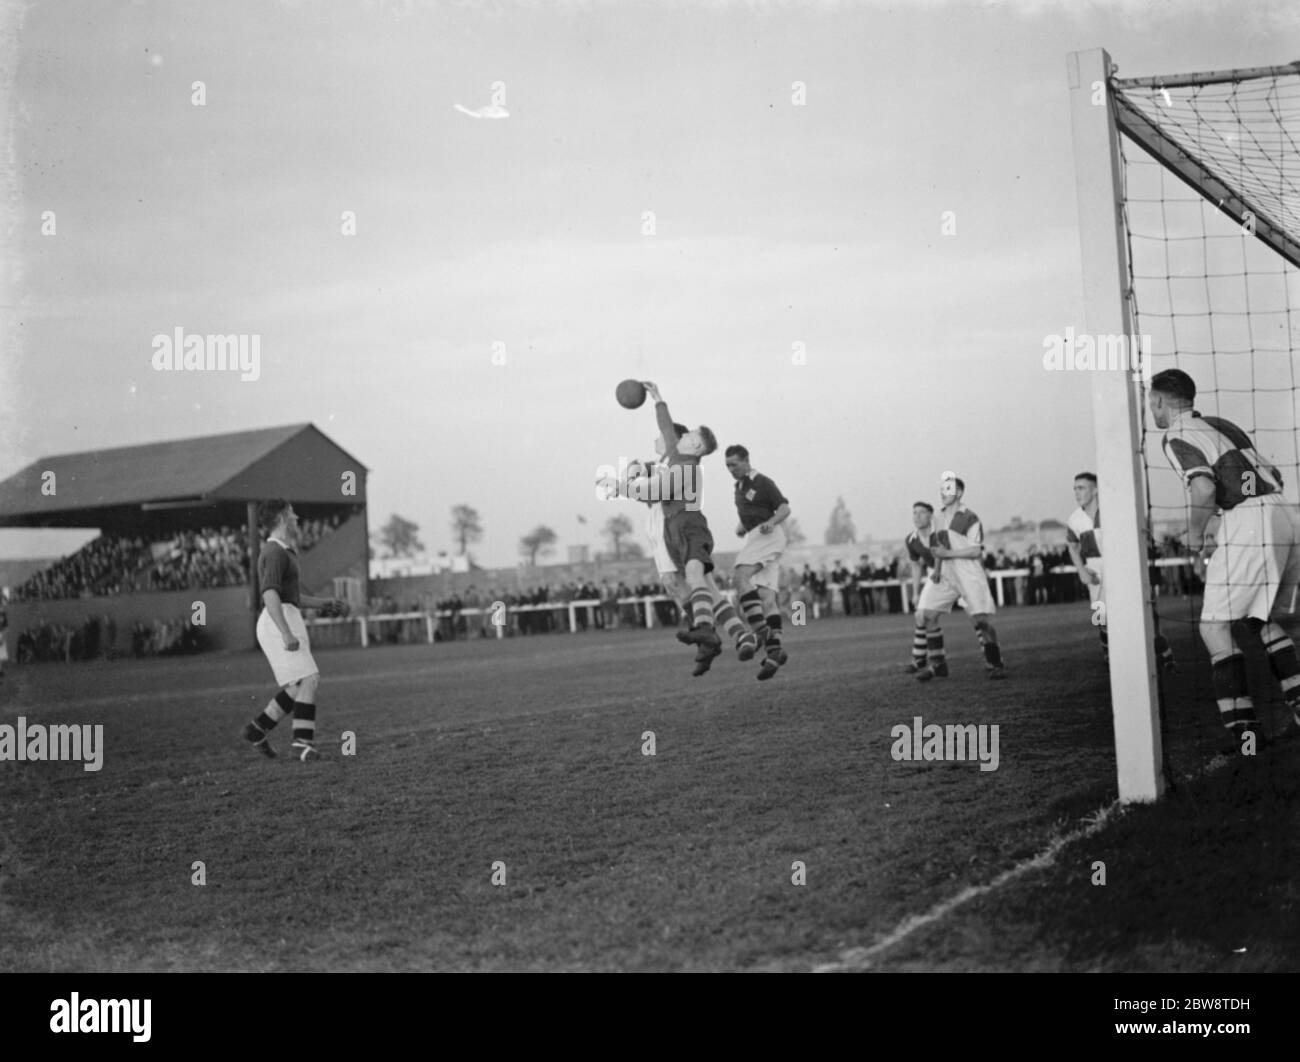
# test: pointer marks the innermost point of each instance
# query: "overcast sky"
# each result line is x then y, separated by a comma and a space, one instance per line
797, 293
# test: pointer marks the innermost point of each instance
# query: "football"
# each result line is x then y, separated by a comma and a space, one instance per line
630, 394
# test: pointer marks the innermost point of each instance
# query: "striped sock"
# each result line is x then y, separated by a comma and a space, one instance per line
934, 647
774, 630
701, 608
1282, 660
1236, 709
992, 651
751, 604
918, 646
280, 706
304, 722
724, 616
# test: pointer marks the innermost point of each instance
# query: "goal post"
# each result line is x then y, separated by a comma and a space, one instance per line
1189, 226
1117, 425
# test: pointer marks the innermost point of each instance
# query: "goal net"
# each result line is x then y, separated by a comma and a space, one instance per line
1189, 201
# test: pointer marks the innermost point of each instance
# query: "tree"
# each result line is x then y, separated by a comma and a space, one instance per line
793, 532
840, 531
399, 539
465, 526
616, 529
541, 539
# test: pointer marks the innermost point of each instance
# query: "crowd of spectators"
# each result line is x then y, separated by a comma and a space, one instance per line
115, 564
196, 560
99, 567
96, 638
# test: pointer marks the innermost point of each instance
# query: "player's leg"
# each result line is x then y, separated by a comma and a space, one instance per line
1281, 650
775, 656
674, 584
702, 604
936, 599
989, 639
304, 719
751, 601
260, 728
919, 649
1097, 602
727, 620
690, 542
936, 655
1228, 674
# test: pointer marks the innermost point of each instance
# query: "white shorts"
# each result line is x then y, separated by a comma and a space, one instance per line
1255, 568
288, 667
765, 551
654, 529
963, 579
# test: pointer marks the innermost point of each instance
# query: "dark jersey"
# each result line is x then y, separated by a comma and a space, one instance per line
918, 550
757, 499
277, 569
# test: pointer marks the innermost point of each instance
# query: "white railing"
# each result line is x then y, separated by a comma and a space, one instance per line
431, 618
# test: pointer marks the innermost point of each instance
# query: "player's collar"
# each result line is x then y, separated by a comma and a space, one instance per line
282, 544
1186, 414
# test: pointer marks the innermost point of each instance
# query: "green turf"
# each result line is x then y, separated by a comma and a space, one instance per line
528, 752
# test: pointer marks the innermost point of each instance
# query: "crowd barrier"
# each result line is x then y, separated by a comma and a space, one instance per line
500, 615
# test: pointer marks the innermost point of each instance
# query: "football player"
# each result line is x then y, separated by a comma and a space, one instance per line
762, 509
1253, 573
922, 563
686, 531
282, 634
958, 546
1083, 540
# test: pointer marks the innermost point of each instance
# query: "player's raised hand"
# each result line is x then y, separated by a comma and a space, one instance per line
652, 391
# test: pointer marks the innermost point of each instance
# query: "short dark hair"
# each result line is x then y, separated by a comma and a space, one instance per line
736, 450
1175, 382
680, 429
710, 440
1088, 476
961, 483
269, 513
921, 505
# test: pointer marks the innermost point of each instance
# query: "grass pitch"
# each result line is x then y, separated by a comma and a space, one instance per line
528, 755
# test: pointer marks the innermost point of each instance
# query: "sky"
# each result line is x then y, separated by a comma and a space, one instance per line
745, 203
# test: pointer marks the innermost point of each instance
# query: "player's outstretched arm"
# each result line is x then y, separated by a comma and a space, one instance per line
663, 419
